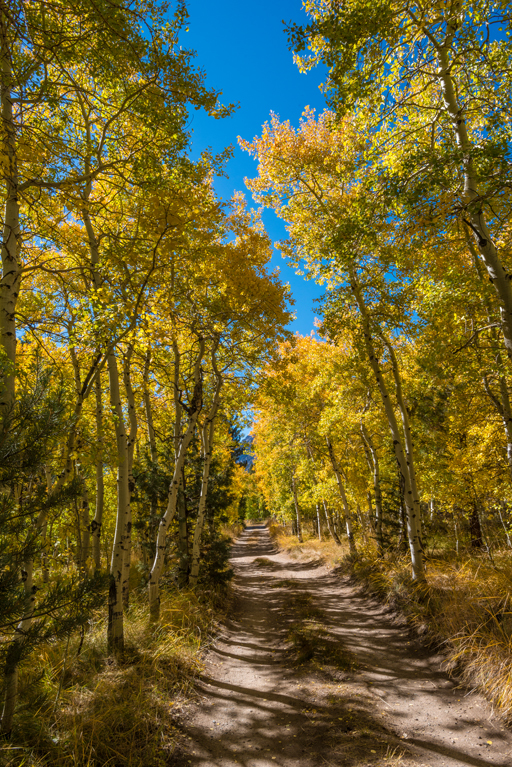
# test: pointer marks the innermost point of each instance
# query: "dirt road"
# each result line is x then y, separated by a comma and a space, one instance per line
351, 689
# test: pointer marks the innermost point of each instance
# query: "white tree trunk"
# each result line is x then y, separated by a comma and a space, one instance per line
413, 534
86, 529
11, 235
297, 510
207, 445
375, 469
343, 496
407, 433
152, 452
318, 522
130, 447
193, 412
148, 409
115, 631
100, 485
502, 405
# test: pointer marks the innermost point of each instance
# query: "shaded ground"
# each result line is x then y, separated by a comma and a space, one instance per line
308, 672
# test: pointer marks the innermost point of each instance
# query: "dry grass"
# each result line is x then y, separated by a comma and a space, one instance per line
263, 562
328, 550
232, 531
467, 608
112, 711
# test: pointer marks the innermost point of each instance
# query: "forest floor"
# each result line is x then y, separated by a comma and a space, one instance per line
309, 671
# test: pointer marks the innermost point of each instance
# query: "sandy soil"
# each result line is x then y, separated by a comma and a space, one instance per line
374, 697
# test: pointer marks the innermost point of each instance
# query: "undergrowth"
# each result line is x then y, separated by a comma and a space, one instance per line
327, 549
80, 707
466, 608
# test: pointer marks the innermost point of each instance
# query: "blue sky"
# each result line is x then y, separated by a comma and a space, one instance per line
243, 50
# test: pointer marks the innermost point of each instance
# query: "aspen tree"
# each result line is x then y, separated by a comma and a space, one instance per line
131, 438
122, 534
448, 133
194, 407
346, 508
207, 433
100, 484
373, 465
298, 513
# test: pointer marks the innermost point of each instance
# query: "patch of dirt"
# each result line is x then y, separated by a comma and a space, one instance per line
308, 671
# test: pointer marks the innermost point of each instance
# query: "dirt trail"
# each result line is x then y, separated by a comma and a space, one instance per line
258, 708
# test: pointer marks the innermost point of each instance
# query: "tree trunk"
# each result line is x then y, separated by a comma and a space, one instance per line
373, 464
409, 453
207, 444
503, 507
183, 547
194, 409
100, 486
45, 573
115, 630
148, 409
153, 511
333, 523
502, 405
130, 446
86, 529
475, 528
11, 235
297, 510
413, 533
344, 500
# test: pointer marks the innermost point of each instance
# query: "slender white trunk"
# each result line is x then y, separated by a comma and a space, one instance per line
181, 508
207, 445
413, 534
409, 454
148, 409
150, 533
343, 496
86, 528
318, 522
130, 447
507, 535
194, 409
373, 463
297, 510
502, 405
11, 235
100, 486
333, 523
115, 631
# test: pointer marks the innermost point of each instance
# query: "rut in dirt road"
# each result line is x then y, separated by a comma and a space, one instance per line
362, 693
